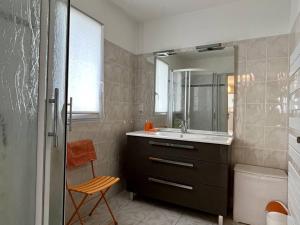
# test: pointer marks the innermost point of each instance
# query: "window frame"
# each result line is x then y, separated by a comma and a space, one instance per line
169, 72
85, 115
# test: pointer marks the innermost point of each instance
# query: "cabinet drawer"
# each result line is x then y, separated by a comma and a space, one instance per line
202, 197
183, 149
190, 171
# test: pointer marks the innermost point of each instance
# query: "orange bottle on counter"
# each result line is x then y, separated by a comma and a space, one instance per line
148, 125
151, 125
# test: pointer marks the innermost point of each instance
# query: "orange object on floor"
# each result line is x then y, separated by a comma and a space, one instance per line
80, 153
277, 206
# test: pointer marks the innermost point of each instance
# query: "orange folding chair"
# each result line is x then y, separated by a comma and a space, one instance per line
80, 153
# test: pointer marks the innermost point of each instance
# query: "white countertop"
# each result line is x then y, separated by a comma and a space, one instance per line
190, 136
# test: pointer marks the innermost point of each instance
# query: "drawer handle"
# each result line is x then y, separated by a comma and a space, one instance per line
190, 165
170, 183
171, 145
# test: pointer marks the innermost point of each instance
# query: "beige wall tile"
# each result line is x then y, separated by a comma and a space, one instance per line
242, 50
254, 136
275, 159
241, 68
239, 123
257, 69
276, 92
237, 154
277, 46
252, 156
255, 114
255, 93
276, 115
257, 49
240, 94
277, 69
276, 138
262, 94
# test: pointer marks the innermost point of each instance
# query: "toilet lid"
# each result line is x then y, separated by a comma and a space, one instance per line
261, 171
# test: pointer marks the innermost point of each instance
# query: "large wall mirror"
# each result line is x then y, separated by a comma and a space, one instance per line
196, 86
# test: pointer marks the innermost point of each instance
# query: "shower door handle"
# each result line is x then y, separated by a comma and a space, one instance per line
55, 117
70, 113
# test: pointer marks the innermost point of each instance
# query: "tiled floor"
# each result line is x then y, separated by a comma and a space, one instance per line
147, 212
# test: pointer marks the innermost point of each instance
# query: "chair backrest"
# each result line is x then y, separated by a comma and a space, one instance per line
80, 153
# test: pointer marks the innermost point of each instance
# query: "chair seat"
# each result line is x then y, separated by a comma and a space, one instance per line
94, 185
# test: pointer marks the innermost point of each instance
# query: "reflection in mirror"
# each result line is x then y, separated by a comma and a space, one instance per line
196, 88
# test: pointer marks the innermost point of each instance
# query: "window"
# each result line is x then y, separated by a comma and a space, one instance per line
85, 66
161, 86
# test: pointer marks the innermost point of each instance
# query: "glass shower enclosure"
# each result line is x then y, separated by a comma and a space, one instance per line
19, 77
200, 98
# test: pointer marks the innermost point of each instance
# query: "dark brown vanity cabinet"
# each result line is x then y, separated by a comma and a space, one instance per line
190, 174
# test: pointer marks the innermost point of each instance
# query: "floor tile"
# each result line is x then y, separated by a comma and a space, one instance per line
162, 216
149, 212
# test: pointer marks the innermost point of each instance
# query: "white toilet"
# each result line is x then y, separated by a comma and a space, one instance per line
254, 188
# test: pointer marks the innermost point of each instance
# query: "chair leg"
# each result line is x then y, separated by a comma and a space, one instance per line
109, 209
98, 202
76, 212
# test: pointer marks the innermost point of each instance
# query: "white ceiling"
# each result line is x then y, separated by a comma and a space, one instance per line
143, 10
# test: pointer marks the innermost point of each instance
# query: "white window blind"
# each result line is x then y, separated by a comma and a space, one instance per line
161, 86
85, 65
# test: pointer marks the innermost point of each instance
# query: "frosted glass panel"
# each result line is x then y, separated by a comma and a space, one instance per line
19, 70
85, 65
161, 86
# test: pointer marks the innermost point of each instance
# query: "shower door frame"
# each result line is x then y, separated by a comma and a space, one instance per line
43, 100
42, 91
186, 104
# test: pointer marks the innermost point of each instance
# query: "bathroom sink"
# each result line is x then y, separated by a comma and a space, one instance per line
189, 135
181, 135
194, 137
170, 134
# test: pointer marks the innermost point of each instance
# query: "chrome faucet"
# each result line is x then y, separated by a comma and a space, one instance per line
183, 126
